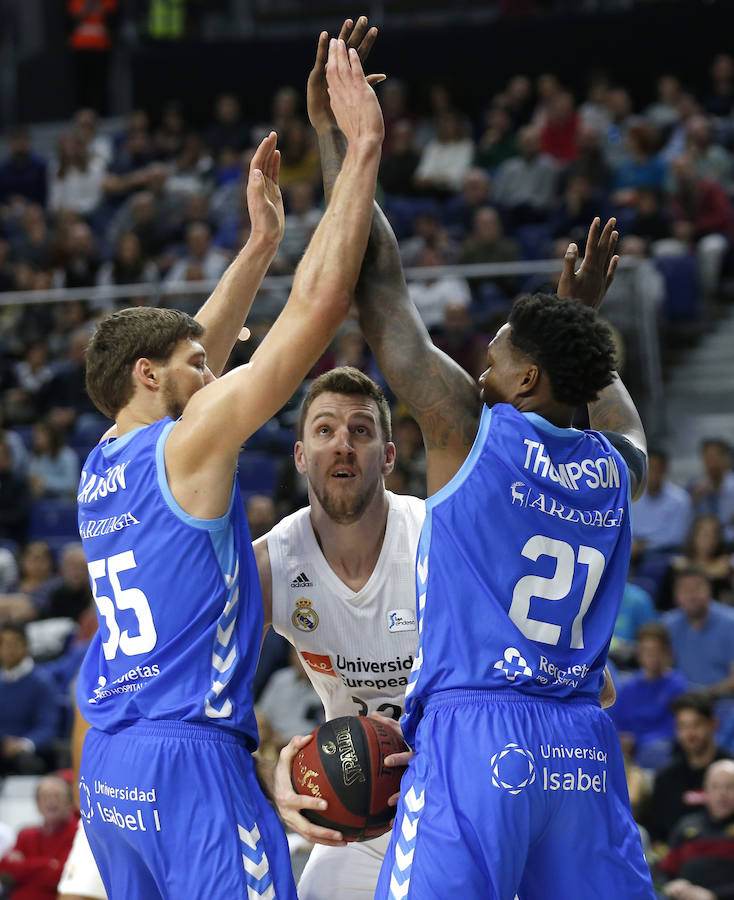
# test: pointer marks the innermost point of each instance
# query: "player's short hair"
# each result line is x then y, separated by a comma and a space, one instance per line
690, 570
568, 341
350, 381
720, 444
695, 700
16, 628
124, 337
656, 631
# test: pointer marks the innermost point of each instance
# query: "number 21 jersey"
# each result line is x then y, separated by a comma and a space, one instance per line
178, 598
522, 562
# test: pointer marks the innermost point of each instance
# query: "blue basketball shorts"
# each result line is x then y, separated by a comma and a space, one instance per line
174, 810
512, 795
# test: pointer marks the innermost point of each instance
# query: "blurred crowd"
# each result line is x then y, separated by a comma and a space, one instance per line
162, 202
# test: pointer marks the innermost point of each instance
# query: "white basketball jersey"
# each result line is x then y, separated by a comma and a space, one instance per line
356, 646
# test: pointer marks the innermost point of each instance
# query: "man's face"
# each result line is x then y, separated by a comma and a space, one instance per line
719, 786
344, 454
183, 375
13, 649
54, 802
505, 370
693, 595
695, 732
716, 461
652, 656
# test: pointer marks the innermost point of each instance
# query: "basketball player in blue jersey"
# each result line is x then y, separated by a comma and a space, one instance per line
171, 804
517, 783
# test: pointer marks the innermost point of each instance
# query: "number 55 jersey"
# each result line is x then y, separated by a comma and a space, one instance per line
178, 598
521, 565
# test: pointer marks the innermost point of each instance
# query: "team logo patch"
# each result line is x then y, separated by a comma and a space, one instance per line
513, 665
513, 768
85, 800
301, 581
304, 618
401, 620
319, 662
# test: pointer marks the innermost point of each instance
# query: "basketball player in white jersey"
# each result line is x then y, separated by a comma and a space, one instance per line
338, 581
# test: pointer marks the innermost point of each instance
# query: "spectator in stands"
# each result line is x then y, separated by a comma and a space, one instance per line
168, 137
15, 497
700, 863
299, 159
498, 141
127, 266
290, 701
31, 242
720, 102
591, 161
428, 233
76, 177
67, 400
677, 789
459, 212
642, 712
432, 295
487, 243
412, 454
637, 609
525, 185
71, 596
663, 114
34, 585
619, 104
710, 160
28, 711
703, 220
199, 252
397, 167
640, 167
577, 207
54, 467
662, 516
445, 159
301, 219
81, 261
144, 213
559, 132
702, 634
228, 128
517, 99
23, 172
86, 128
18, 448
32, 375
31, 870
192, 170
651, 220
713, 493
459, 338
261, 517
705, 549
128, 171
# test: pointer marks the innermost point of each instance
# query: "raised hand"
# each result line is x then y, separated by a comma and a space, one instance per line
596, 273
359, 36
353, 102
290, 804
264, 200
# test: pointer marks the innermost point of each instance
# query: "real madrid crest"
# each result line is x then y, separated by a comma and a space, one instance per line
304, 618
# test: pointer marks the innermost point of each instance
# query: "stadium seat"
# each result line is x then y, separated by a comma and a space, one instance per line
257, 473
682, 301
53, 519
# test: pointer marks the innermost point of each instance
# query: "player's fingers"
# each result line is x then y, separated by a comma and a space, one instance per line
607, 232
275, 168
296, 802
372, 80
355, 65
346, 30
293, 746
355, 38
393, 801
322, 51
367, 43
611, 271
569, 260
398, 759
259, 155
315, 833
592, 237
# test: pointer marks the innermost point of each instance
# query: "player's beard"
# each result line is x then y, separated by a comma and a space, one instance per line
344, 508
174, 403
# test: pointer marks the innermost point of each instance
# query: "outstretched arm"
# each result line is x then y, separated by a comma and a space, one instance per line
615, 410
225, 311
438, 393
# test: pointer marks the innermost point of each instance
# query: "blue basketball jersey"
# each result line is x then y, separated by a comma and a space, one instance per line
521, 564
178, 598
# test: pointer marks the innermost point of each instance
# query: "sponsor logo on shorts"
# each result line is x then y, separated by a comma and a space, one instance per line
401, 620
301, 581
304, 618
515, 768
143, 817
319, 662
514, 665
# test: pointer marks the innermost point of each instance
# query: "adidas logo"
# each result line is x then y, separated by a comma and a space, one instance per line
301, 581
